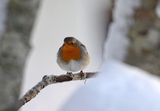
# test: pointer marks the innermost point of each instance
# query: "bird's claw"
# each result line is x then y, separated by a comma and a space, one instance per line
69, 74
81, 74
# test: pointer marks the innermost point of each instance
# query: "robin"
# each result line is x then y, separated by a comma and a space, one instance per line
72, 56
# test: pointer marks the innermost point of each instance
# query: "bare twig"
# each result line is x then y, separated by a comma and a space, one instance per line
52, 79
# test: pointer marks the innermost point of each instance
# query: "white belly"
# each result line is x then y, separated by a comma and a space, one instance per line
73, 65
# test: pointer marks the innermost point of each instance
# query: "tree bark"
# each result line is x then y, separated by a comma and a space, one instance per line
14, 49
52, 79
145, 36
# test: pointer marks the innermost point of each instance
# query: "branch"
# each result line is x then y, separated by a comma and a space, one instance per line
52, 79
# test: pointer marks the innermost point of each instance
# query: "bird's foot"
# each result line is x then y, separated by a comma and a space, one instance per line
69, 73
81, 74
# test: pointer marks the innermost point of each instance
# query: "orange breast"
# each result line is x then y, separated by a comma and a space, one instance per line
70, 52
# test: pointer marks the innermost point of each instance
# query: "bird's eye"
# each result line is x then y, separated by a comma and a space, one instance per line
72, 43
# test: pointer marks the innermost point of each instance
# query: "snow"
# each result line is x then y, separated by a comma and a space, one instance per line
117, 42
119, 86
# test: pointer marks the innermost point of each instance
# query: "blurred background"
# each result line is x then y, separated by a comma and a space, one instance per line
32, 31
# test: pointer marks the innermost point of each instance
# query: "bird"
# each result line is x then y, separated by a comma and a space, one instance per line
72, 56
